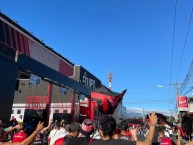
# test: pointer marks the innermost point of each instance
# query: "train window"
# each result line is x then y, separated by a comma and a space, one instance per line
2, 36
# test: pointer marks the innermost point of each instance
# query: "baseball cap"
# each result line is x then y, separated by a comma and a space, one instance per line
74, 126
87, 127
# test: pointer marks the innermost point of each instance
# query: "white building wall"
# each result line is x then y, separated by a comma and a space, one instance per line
18, 110
190, 105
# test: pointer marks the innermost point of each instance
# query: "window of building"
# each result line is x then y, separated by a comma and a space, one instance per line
12, 112
56, 111
18, 111
22, 84
20, 116
64, 111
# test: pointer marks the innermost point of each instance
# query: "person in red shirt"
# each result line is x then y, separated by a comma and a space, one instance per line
162, 139
29, 139
20, 135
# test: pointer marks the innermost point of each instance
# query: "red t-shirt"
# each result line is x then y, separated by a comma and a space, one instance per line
19, 136
59, 141
165, 141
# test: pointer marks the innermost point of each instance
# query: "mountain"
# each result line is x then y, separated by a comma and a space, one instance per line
137, 112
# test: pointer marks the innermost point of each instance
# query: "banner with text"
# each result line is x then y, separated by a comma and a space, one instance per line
182, 103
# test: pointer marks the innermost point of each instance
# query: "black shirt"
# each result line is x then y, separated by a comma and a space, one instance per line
38, 140
79, 141
113, 142
125, 137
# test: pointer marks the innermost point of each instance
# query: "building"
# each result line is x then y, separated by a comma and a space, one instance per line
120, 113
63, 90
190, 105
29, 55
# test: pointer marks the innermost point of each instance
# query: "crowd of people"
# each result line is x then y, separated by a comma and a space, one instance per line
87, 133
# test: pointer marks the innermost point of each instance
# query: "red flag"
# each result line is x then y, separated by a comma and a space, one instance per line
162, 119
109, 100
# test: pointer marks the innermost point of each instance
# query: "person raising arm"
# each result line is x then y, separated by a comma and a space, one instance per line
29, 139
179, 140
108, 126
148, 141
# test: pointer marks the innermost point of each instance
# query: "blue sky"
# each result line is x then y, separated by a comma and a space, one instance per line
131, 38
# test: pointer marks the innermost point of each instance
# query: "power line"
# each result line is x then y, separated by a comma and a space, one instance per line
187, 79
150, 102
173, 40
150, 91
137, 99
184, 45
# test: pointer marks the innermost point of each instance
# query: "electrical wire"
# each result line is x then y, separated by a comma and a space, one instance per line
147, 99
184, 45
173, 41
151, 91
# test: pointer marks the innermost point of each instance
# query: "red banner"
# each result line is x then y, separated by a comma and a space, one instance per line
182, 103
36, 102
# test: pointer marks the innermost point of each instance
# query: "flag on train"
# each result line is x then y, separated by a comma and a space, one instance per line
107, 100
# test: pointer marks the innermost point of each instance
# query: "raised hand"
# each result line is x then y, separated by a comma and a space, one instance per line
40, 126
153, 119
18, 127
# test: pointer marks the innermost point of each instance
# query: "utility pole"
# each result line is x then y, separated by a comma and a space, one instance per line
110, 77
177, 94
143, 114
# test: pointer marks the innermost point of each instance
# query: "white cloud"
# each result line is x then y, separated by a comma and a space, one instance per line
160, 86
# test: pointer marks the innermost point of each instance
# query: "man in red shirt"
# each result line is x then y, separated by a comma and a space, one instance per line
162, 139
29, 139
20, 135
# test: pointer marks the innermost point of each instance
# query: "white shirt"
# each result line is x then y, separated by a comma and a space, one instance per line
170, 131
53, 134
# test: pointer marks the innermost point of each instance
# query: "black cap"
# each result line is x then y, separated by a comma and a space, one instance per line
74, 126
